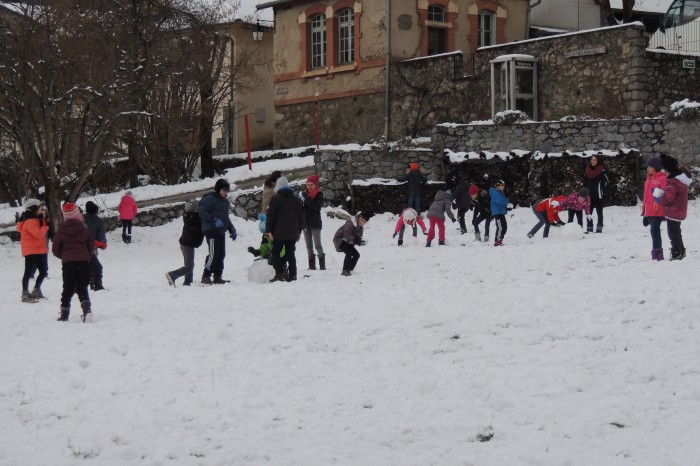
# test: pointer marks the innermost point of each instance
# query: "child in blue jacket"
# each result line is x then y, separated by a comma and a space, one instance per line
500, 205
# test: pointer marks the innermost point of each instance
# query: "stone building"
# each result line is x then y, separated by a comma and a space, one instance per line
331, 57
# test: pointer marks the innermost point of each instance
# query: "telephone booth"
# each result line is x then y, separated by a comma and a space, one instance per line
514, 84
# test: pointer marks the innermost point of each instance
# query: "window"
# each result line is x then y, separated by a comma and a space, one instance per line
318, 41
346, 36
486, 28
436, 13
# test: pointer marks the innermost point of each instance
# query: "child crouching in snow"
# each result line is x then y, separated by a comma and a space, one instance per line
578, 203
408, 217
674, 199
547, 213
348, 236
74, 245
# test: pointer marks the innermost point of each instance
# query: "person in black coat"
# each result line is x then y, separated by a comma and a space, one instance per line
597, 181
312, 202
414, 179
284, 224
213, 213
191, 238
462, 202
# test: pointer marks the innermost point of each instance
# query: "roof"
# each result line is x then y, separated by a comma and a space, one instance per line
277, 3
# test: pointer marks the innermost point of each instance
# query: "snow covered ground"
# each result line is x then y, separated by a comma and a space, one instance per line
575, 350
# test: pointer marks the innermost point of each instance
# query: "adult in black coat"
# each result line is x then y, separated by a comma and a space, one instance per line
463, 202
414, 180
284, 224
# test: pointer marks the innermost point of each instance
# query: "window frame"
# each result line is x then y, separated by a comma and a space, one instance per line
480, 21
346, 36
318, 43
432, 16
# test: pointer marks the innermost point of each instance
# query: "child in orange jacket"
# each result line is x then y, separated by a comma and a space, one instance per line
547, 213
33, 228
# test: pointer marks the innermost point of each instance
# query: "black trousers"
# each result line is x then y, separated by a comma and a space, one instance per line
214, 263
675, 235
76, 278
351, 256
461, 212
34, 262
501, 226
95, 270
290, 256
597, 205
482, 218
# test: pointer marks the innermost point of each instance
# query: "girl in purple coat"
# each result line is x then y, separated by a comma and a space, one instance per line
74, 245
578, 203
674, 200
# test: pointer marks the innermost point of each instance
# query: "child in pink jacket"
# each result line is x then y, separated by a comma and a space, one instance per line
408, 217
652, 212
127, 212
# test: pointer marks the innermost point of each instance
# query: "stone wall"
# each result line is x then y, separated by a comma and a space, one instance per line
667, 81
358, 118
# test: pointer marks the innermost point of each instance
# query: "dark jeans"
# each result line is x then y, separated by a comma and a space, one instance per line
34, 262
675, 235
655, 230
414, 202
579, 218
501, 226
126, 227
460, 216
541, 222
214, 263
76, 278
95, 269
289, 257
597, 205
480, 218
351, 256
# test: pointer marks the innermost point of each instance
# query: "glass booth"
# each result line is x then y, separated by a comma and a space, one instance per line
514, 84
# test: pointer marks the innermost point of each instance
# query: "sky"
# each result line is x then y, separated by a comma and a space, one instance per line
247, 8
571, 350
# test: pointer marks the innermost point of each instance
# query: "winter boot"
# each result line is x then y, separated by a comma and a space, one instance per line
657, 254
312, 262
486, 238
498, 243
87, 313
219, 281
37, 294
206, 280
345, 273
124, 238
322, 262
400, 242
441, 243
427, 244
278, 278
128, 239
477, 236
63, 315
28, 298
677, 254
171, 280
98, 285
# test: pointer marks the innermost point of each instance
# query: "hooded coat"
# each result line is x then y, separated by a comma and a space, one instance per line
284, 216
650, 208
73, 242
32, 234
441, 205
675, 198
127, 207
350, 232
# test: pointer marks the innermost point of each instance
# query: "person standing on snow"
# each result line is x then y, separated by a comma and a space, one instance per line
312, 201
348, 236
652, 212
74, 245
436, 216
500, 205
597, 181
414, 180
33, 229
97, 229
284, 225
213, 212
190, 239
127, 212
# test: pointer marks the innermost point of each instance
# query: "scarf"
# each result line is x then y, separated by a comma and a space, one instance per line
593, 173
312, 194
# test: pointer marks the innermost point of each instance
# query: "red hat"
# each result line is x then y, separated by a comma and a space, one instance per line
413, 166
313, 179
70, 210
473, 189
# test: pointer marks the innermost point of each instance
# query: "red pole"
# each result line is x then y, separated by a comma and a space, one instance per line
315, 123
247, 142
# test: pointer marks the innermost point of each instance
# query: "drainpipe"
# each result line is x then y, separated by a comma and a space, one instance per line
387, 77
529, 9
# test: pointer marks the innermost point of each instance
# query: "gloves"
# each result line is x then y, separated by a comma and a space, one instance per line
100, 245
233, 234
362, 242
454, 205
554, 203
645, 221
657, 193
218, 223
394, 236
425, 233
454, 220
509, 206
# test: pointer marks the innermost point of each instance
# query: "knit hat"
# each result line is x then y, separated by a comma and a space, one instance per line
654, 163
91, 207
221, 183
71, 210
668, 163
473, 189
413, 166
32, 204
583, 192
367, 215
313, 179
129, 193
499, 182
281, 183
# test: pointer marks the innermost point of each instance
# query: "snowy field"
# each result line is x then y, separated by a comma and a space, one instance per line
575, 350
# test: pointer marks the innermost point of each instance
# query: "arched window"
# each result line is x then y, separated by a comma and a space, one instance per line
487, 28
346, 36
318, 41
436, 13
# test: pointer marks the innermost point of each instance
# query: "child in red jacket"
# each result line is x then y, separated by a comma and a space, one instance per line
547, 213
674, 200
408, 217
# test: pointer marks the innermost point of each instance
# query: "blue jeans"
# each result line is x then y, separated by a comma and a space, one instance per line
414, 202
542, 221
655, 230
